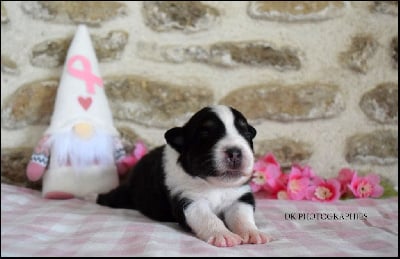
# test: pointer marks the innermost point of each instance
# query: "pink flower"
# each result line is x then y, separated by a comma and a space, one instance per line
367, 186
267, 172
282, 195
324, 190
344, 177
279, 190
297, 187
257, 181
305, 171
301, 183
299, 180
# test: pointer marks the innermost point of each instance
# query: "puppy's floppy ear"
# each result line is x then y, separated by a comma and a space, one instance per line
252, 131
175, 138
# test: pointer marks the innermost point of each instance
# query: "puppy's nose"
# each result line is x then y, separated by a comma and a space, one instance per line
234, 157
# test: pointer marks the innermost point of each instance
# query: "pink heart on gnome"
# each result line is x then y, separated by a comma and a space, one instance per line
85, 102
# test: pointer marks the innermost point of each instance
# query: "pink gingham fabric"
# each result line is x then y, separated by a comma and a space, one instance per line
32, 226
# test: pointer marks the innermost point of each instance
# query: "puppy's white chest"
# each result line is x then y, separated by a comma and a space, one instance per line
217, 199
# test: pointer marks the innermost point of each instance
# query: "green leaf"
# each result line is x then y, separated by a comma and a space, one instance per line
388, 187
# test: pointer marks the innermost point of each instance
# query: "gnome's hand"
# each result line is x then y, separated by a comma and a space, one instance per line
122, 167
39, 160
119, 156
35, 170
127, 162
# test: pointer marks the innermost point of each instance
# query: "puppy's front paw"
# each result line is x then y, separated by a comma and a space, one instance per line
224, 239
254, 236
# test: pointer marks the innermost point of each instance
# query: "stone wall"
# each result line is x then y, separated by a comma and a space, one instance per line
318, 80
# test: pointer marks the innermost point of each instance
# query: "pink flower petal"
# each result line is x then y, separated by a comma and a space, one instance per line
378, 191
259, 166
310, 192
270, 158
308, 172
336, 187
345, 175
317, 180
254, 187
297, 188
295, 173
272, 174
373, 179
354, 181
282, 195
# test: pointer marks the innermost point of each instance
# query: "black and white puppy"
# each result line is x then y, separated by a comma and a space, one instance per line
199, 179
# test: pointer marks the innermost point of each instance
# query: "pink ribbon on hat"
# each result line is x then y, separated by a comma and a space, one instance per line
85, 74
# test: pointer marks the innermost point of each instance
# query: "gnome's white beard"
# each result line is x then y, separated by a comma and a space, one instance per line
69, 149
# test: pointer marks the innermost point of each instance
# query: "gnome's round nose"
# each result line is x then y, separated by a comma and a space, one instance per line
83, 130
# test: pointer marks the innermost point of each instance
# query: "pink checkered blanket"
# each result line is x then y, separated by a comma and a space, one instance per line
32, 226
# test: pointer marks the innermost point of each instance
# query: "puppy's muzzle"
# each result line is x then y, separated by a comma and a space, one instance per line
233, 158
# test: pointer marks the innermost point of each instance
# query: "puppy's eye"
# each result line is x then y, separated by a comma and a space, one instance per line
248, 134
206, 129
242, 127
204, 133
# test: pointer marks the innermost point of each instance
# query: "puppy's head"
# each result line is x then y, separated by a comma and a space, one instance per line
216, 144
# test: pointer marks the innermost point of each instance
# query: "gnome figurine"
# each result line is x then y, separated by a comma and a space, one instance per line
80, 154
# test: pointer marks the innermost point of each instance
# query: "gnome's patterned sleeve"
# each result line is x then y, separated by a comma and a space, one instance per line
119, 155
39, 160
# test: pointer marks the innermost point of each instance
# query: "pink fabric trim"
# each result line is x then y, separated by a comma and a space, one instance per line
59, 195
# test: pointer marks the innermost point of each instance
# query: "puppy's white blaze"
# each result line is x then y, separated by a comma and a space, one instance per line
232, 139
197, 189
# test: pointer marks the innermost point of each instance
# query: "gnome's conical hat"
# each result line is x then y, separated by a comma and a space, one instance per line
81, 96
